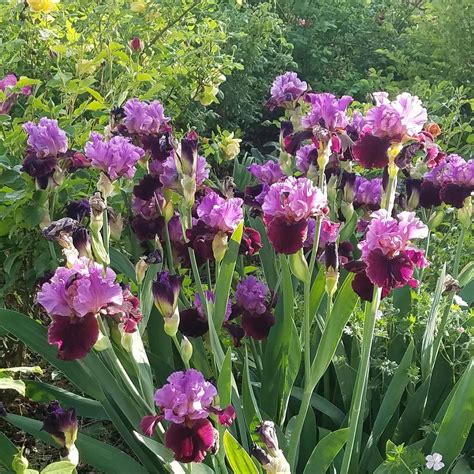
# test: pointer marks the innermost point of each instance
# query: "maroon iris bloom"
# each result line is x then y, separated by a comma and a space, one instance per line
190, 442
371, 151
257, 326
74, 336
287, 237
251, 242
192, 323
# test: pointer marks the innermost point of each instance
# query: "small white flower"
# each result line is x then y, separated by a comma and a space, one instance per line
348, 330
460, 302
434, 461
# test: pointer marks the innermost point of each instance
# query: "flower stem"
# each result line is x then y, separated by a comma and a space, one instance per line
356, 413
306, 337
169, 253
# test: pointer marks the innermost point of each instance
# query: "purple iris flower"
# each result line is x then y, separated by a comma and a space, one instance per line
46, 139
145, 118
286, 89
327, 111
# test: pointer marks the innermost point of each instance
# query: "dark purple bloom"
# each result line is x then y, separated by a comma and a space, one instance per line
146, 229
61, 424
190, 442
78, 209
115, 158
147, 187
145, 118
285, 236
327, 111
166, 290
46, 138
286, 89
200, 238
42, 169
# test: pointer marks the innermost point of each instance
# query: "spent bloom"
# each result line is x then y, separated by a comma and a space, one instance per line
46, 139
219, 213
286, 89
144, 118
116, 158
434, 461
327, 111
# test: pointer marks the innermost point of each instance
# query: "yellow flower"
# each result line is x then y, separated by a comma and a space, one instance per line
44, 6
230, 146
208, 95
138, 6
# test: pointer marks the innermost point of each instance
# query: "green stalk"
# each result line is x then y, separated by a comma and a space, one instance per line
306, 330
178, 347
105, 228
356, 412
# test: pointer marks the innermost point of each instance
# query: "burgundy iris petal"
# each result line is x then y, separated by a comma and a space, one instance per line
429, 194
454, 194
146, 188
371, 151
389, 273
287, 237
257, 326
192, 324
190, 443
74, 336
251, 241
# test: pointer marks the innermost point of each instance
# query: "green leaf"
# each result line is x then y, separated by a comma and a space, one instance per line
224, 384
102, 456
9, 383
390, 403
249, 402
34, 335
325, 452
23, 370
277, 349
266, 254
317, 291
239, 460
344, 305
161, 452
146, 295
224, 280
45, 393
466, 275
121, 264
458, 419
7, 451
61, 467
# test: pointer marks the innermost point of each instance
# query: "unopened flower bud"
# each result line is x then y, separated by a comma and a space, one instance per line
186, 350
331, 261
61, 424
166, 290
140, 269
168, 211
136, 44
171, 325
258, 453
332, 188
102, 343
347, 210
348, 186
299, 265
20, 463
220, 245
434, 129
115, 224
413, 187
